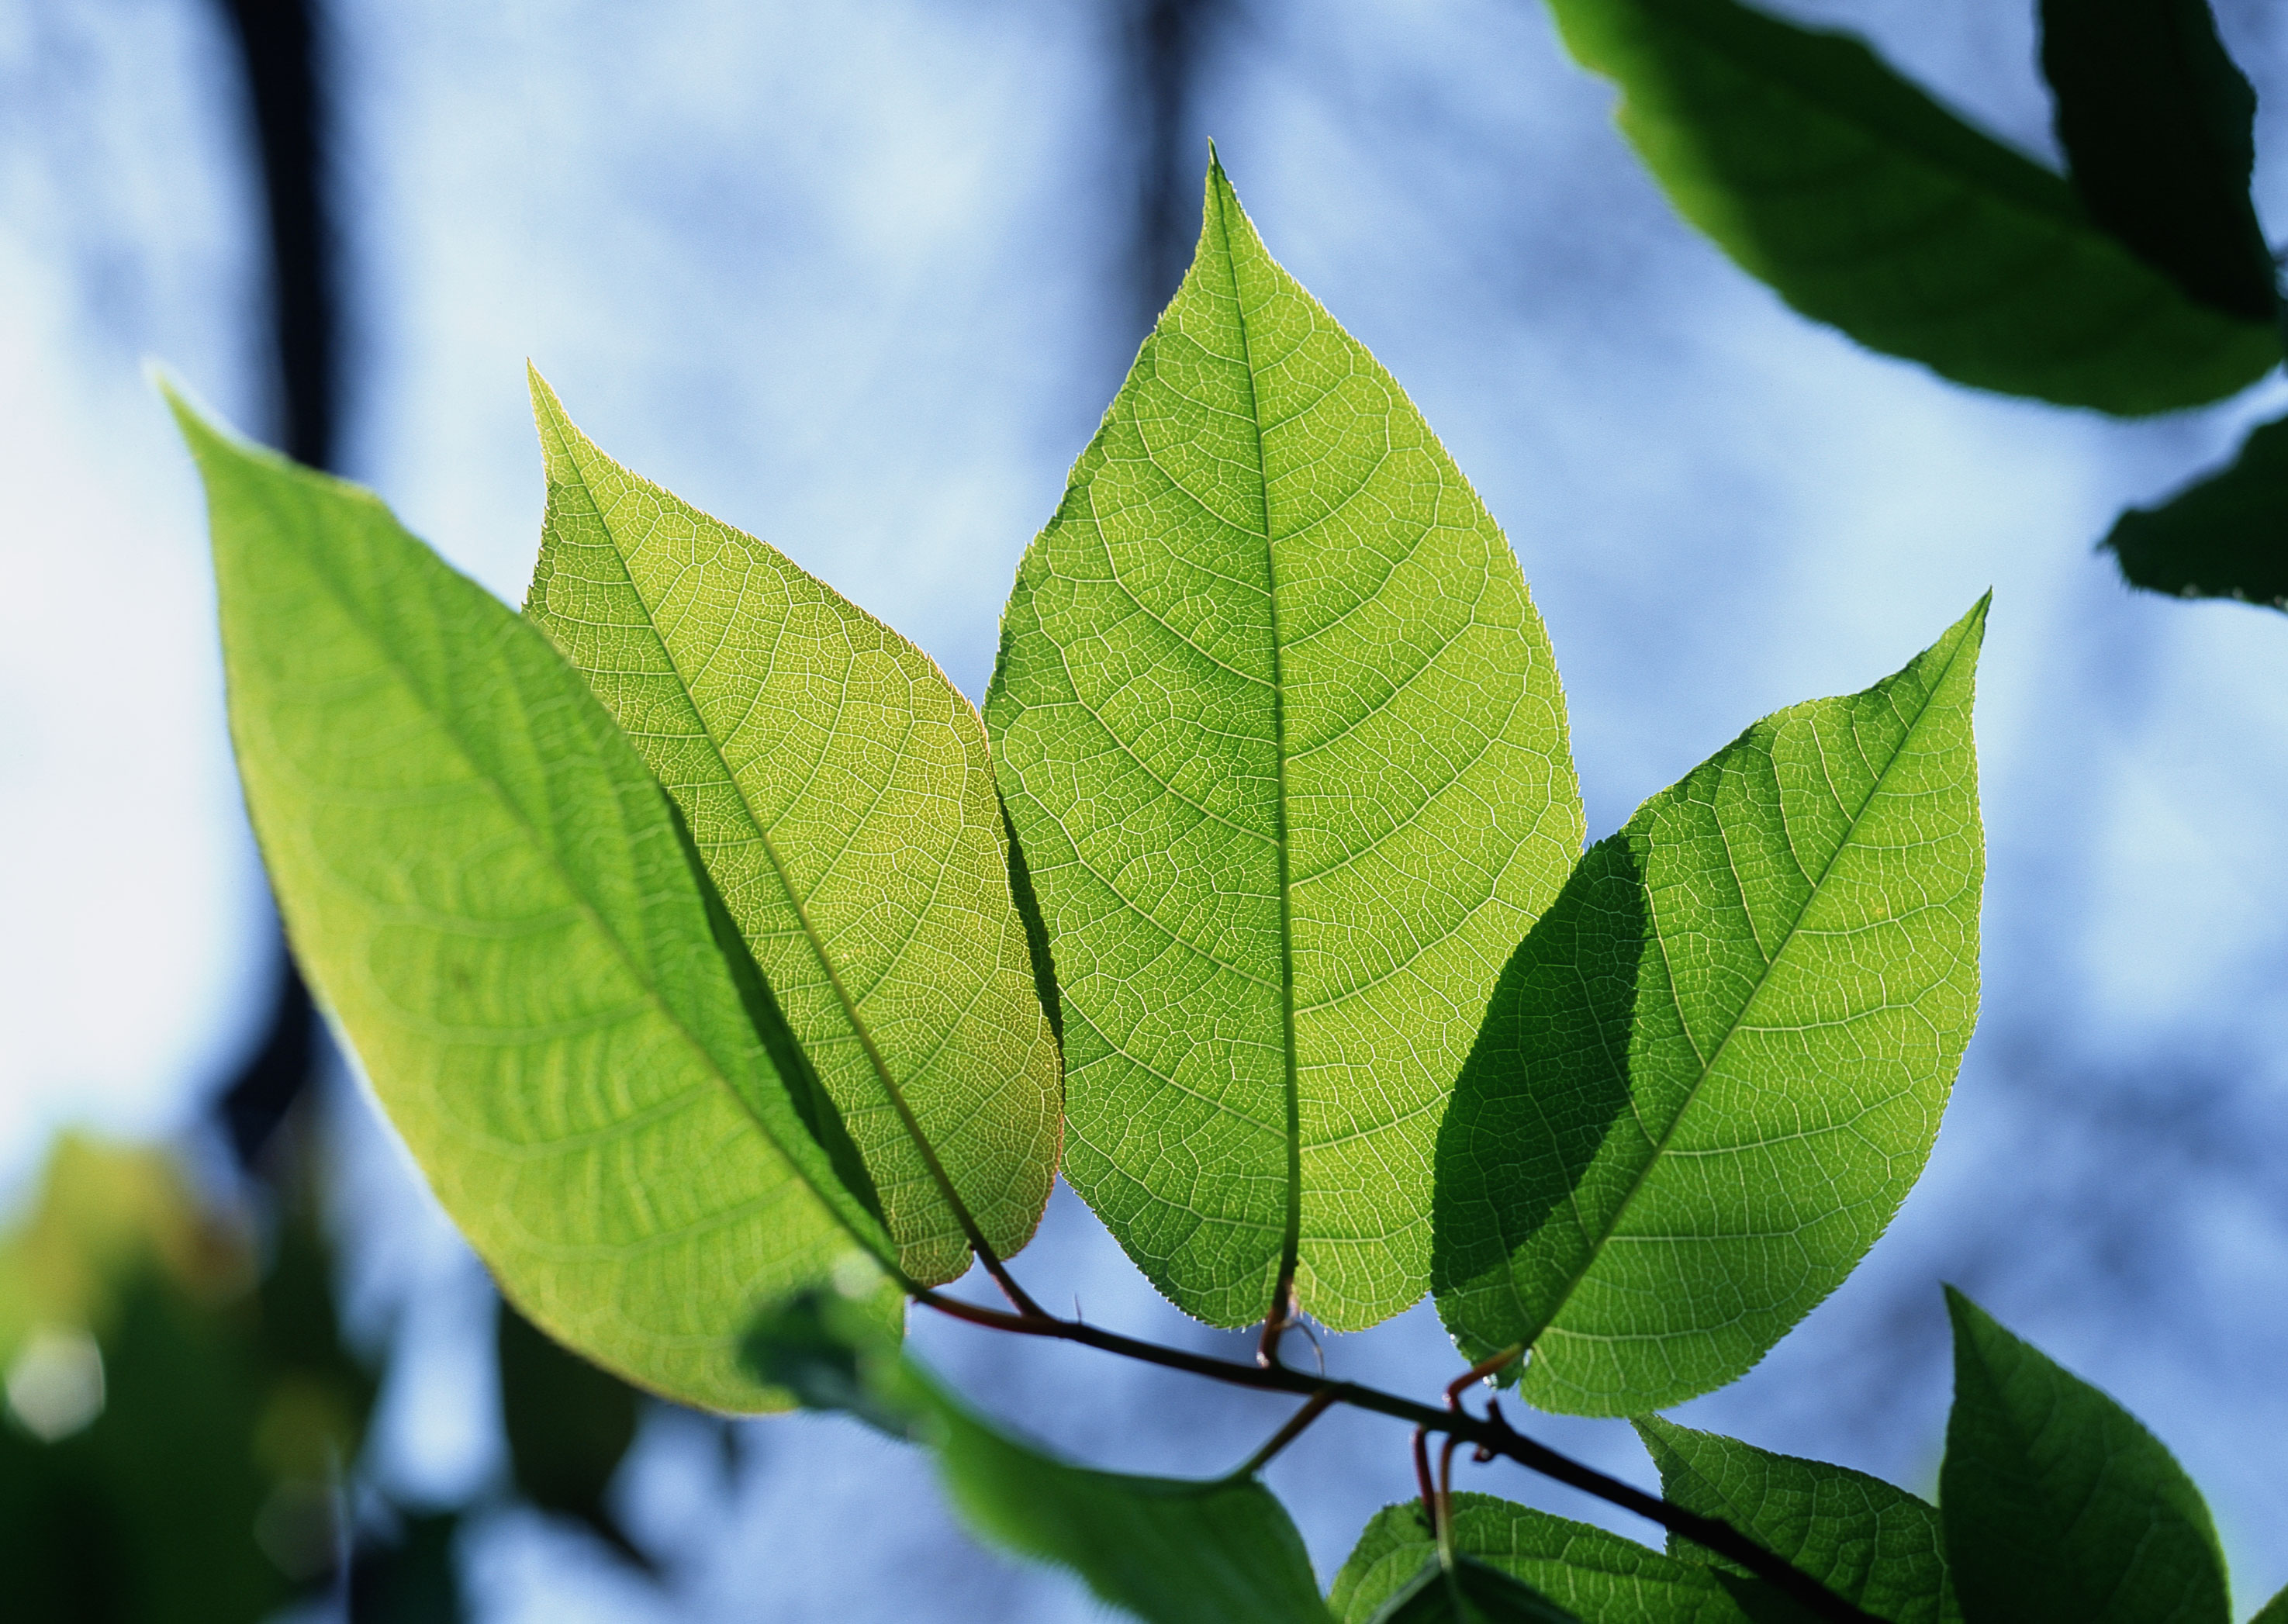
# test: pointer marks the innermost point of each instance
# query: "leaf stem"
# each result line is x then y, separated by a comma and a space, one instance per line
1491, 1434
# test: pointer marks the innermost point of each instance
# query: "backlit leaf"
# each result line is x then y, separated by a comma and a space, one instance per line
1174, 1551
1715, 1067
1865, 204
1866, 1541
499, 904
2060, 1507
1280, 730
1599, 1577
2223, 536
839, 790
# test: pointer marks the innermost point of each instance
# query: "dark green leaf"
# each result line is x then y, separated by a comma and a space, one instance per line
568, 1425
2273, 1611
1279, 726
499, 905
2223, 536
1599, 1577
1865, 203
2157, 127
1868, 1542
1469, 1592
1220, 1551
2059, 1507
1714, 1069
411, 1578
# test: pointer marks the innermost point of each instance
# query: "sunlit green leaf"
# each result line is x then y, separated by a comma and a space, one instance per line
1468, 1592
839, 790
2060, 1507
2223, 536
1173, 1551
1280, 729
2157, 127
1715, 1067
496, 901
1868, 1542
1599, 1577
1865, 204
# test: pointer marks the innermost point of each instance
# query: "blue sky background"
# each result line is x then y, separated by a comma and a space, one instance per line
853, 277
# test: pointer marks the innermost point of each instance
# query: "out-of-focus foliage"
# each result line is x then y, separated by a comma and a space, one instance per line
567, 1425
2138, 283
182, 1415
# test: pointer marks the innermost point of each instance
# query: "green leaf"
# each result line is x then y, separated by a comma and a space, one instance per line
840, 788
567, 1425
2059, 1507
1599, 1577
2273, 1611
2223, 536
1279, 727
1716, 1065
1468, 1592
1865, 204
1868, 1542
2158, 129
499, 905
1219, 1551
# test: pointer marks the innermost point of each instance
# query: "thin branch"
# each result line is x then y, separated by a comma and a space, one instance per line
1490, 1433
1317, 1404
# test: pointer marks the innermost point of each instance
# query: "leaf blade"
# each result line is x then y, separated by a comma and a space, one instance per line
2059, 1504
1170, 1551
839, 787
2221, 536
496, 900
1600, 1577
1871, 1543
1866, 205
1715, 1066
1279, 729
2158, 127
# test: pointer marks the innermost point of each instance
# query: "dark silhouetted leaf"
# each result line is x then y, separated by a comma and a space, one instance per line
2157, 127
1865, 204
568, 1426
2223, 536
2060, 1507
1469, 1592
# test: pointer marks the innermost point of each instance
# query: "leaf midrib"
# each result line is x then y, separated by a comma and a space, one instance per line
1708, 1067
342, 602
967, 1221
1290, 1240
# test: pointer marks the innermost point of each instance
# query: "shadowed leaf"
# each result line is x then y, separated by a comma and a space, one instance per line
1868, 1542
839, 790
2060, 1507
1715, 1067
499, 905
2157, 127
2223, 536
1865, 204
1599, 1577
1279, 727
1469, 1592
